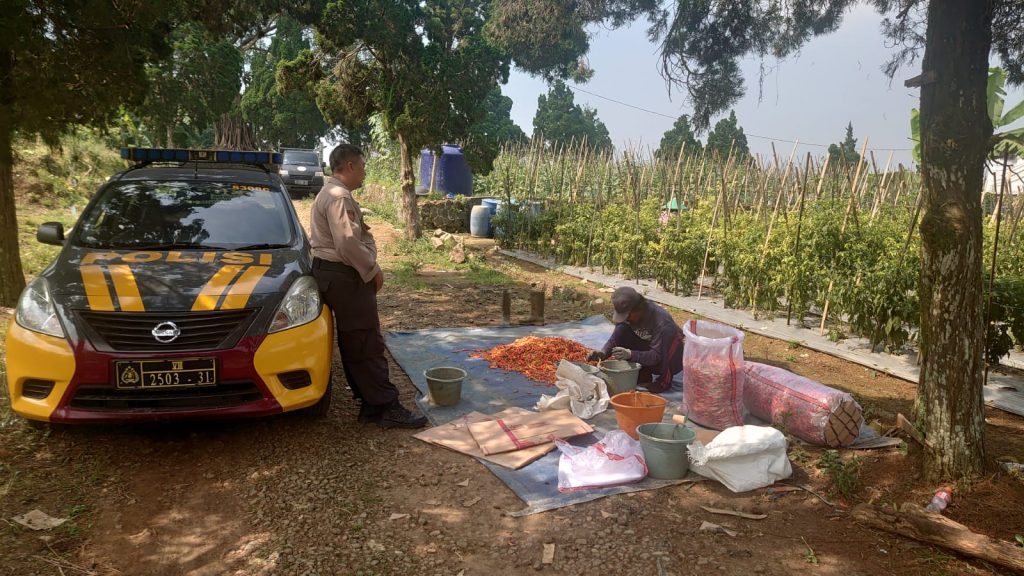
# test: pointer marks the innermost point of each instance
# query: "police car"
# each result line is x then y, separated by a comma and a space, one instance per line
184, 290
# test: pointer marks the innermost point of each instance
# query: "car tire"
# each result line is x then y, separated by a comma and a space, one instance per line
322, 406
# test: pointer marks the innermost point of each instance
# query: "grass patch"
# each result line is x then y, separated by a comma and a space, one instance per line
404, 276
484, 275
36, 256
844, 475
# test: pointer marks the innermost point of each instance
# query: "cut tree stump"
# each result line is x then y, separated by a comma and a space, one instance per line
913, 521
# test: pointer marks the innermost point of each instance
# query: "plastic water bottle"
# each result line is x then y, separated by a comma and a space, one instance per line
940, 500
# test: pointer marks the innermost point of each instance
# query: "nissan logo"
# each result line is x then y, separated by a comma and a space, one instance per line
166, 332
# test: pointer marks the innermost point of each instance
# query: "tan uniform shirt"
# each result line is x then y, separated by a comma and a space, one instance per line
338, 233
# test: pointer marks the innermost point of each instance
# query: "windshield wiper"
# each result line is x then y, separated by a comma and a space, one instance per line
168, 246
261, 247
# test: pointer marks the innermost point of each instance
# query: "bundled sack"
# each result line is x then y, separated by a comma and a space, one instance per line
616, 459
743, 458
806, 409
713, 374
586, 395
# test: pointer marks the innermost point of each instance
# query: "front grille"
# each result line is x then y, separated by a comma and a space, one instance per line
133, 331
295, 380
37, 389
223, 395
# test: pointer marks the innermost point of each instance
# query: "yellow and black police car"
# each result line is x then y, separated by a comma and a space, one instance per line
184, 290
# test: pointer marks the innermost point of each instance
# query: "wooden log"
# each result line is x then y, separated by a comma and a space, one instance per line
913, 521
537, 306
506, 307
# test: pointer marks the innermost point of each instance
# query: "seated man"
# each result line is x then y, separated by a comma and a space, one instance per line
645, 333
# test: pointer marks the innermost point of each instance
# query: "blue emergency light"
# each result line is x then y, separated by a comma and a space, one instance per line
215, 156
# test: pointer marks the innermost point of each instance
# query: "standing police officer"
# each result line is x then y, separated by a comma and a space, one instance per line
346, 270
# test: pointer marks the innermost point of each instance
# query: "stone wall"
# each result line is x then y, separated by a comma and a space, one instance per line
450, 215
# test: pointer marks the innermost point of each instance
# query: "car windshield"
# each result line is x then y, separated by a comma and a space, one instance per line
201, 215
301, 158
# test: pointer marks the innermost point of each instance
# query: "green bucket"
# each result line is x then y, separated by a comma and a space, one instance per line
666, 449
444, 385
621, 375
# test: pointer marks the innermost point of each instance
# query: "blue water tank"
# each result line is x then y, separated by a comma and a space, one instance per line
452, 173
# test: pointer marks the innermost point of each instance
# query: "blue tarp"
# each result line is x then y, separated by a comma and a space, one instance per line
490, 390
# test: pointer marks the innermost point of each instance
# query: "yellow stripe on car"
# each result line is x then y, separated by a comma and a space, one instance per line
210, 294
239, 293
96, 289
127, 290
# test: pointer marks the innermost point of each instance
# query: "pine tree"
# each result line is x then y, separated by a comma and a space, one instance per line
726, 136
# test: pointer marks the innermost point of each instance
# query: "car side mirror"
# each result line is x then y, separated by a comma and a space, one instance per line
51, 233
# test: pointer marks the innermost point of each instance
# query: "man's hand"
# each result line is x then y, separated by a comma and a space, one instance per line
595, 356
378, 281
621, 353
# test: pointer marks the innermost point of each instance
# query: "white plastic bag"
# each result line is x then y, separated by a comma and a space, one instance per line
586, 395
743, 458
615, 460
713, 374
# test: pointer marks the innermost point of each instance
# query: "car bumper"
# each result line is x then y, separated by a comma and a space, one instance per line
257, 377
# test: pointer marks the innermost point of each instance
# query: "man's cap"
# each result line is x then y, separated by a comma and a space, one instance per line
624, 299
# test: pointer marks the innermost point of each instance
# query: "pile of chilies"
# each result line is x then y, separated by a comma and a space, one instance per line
537, 358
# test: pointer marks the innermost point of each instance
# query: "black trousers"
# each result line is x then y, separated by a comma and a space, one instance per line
360, 341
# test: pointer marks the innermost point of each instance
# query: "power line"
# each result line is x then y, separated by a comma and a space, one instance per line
671, 117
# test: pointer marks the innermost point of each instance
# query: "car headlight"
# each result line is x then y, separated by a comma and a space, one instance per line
318, 174
36, 311
282, 172
301, 305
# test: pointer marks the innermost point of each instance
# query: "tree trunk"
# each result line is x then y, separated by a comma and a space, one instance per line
410, 212
12, 278
170, 136
955, 130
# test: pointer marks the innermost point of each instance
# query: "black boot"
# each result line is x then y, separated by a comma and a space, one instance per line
369, 414
397, 416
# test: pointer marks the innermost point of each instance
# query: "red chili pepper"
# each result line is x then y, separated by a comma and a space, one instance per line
537, 358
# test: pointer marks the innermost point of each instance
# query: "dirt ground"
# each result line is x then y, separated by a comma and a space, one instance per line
295, 496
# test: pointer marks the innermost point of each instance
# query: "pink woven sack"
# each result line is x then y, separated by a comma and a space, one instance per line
713, 374
802, 407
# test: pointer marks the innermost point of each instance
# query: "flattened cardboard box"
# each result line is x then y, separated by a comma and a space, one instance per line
455, 436
522, 431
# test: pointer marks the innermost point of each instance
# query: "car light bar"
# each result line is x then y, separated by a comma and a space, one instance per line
186, 155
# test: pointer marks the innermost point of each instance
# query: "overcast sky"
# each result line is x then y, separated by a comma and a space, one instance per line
811, 97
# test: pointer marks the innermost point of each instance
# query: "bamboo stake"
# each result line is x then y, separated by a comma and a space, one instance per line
883, 186
995, 252
707, 248
842, 231
796, 249
771, 224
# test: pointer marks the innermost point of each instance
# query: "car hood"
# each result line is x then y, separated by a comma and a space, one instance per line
196, 280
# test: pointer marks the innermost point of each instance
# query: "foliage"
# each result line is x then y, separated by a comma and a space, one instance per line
844, 475
679, 137
1009, 142
281, 119
845, 153
726, 136
494, 130
192, 88
560, 121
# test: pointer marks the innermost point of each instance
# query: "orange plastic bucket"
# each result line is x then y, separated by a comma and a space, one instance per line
635, 408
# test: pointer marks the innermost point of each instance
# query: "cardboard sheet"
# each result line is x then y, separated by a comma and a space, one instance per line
455, 436
521, 431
